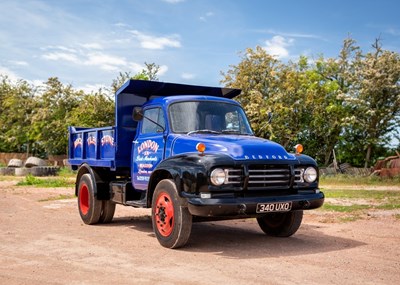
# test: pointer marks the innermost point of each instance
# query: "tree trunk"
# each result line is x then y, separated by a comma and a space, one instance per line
328, 155
368, 156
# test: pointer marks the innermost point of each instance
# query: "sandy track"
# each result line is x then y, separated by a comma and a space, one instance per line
45, 242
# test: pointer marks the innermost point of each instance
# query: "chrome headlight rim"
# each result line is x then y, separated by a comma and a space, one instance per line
218, 176
310, 174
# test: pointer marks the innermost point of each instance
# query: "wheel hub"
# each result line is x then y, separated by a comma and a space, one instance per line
164, 215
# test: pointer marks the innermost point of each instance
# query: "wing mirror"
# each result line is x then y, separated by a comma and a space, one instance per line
137, 114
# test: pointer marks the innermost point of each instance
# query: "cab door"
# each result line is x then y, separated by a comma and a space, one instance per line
148, 148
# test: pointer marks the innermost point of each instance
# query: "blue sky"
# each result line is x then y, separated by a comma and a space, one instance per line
87, 43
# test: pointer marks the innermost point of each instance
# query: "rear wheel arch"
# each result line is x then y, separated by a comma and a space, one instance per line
93, 195
101, 180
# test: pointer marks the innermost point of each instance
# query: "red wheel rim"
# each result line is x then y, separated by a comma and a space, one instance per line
164, 214
84, 199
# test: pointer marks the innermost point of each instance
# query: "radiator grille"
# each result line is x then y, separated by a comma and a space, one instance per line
268, 176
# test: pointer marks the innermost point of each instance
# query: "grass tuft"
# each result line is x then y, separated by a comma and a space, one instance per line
344, 209
31, 180
66, 172
344, 179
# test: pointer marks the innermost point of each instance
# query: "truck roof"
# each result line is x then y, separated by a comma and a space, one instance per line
144, 88
172, 99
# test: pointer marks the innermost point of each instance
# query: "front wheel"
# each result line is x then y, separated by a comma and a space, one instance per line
172, 222
281, 224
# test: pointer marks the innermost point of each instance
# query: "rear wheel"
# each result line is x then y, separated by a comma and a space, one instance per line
89, 207
281, 224
172, 222
107, 211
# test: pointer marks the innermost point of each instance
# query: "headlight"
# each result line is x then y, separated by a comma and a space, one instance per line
310, 174
217, 176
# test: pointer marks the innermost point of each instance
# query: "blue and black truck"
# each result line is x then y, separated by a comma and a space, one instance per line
188, 153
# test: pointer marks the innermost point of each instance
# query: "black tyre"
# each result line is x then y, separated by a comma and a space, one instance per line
89, 207
107, 211
281, 224
7, 171
44, 170
172, 222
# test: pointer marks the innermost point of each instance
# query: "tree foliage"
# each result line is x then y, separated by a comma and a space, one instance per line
36, 119
349, 103
17, 106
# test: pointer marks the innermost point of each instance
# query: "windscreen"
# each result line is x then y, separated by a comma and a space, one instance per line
213, 116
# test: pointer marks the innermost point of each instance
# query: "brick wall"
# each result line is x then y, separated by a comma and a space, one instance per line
56, 160
6, 157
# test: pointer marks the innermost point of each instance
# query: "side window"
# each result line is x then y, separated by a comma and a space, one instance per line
155, 115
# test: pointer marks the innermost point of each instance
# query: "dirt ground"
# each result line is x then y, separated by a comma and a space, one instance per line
44, 241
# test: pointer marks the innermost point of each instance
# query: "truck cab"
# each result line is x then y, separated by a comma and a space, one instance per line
188, 152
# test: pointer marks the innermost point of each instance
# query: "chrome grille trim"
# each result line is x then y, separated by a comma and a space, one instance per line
269, 176
298, 175
233, 176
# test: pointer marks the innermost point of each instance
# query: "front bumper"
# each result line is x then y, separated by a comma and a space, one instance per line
239, 206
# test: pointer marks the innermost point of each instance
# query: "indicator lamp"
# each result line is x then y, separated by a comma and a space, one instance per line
201, 147
298, 148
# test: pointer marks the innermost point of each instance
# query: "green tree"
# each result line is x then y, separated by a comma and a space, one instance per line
374, 97
256, 76
303, 98
93, 110
50, 121
17, 105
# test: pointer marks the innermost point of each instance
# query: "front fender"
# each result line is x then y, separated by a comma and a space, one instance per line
190, 171
306, 160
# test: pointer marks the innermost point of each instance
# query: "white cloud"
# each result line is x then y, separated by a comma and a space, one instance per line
290, 35
105, 61
87, 57
206, 16
186, 75
393, 31
63, 56
38, 83
18, 62
62, 48
163, 70
135, 67
152, 42
92, 46
10, 74
277, 46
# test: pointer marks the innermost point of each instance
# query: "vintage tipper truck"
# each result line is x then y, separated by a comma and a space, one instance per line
188, 153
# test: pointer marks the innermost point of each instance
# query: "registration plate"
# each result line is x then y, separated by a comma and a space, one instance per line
274, 207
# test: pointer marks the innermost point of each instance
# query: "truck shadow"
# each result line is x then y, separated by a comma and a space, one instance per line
243, 239
139, 223
248, 241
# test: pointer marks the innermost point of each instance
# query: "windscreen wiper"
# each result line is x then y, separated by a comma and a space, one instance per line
204, 131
